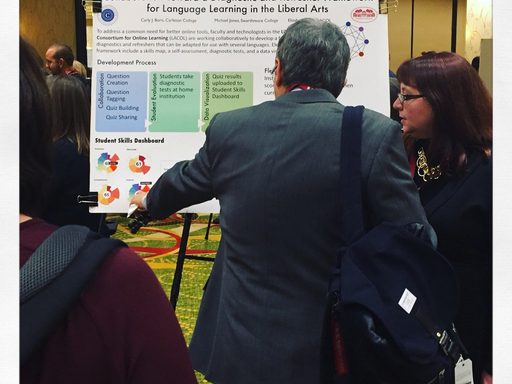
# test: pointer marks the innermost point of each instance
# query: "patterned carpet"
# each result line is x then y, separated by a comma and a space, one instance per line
158, 244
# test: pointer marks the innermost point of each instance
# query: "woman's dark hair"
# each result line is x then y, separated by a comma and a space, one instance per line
461, 104
35, 134
71, 112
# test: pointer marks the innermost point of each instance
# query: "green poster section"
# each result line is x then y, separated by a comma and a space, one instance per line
225, 91
174, 102
174, 98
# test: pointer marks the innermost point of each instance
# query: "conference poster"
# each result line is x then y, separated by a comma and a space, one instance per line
163, 68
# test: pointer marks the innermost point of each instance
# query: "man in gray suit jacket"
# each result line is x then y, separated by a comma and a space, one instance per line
275, 169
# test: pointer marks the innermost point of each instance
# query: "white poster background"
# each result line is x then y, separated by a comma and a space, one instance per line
134, 39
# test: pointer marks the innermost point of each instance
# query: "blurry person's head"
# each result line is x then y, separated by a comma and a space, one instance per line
312, 52
80, 68
71, 111
35, 134
58, 58
444, 100
475, 63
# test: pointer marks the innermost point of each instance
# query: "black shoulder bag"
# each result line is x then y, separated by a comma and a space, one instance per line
392, 296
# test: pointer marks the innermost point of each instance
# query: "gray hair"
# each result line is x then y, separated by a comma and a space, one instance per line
316, 53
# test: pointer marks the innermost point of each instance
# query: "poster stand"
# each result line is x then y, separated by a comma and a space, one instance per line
182, 255
208, 227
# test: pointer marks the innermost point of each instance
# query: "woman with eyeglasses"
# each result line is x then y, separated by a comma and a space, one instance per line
446, 114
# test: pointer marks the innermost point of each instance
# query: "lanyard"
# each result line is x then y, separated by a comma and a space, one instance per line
297, 86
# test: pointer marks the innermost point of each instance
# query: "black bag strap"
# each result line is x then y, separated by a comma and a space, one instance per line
54, 278
352, 226
448, 339
350, 163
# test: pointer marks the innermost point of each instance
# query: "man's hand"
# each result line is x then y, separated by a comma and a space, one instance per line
139, 200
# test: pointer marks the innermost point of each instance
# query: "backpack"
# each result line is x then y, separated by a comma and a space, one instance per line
392, 296
54, 277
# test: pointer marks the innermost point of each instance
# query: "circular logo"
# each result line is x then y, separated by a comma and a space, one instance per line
108, 15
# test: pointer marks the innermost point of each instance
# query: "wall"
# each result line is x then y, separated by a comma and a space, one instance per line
485, 70
43, 23
479, 26
399, 34
432, 28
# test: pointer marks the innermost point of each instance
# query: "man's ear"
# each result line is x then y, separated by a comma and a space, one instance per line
61, 62
279, 86
278, 77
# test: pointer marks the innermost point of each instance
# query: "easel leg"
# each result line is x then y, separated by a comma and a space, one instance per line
208, 228
175, 290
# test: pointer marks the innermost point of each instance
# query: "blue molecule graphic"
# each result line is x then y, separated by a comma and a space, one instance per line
355, 39
107, 15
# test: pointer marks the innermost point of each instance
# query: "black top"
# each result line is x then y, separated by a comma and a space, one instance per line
460, 210
70, 179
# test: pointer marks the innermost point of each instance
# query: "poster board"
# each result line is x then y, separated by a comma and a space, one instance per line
163, 68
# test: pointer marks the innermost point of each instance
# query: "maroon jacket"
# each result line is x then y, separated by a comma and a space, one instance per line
122, 330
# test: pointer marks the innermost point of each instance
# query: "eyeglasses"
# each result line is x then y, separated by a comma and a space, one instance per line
403, 97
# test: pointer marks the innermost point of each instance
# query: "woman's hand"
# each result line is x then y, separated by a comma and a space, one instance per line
486, 378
